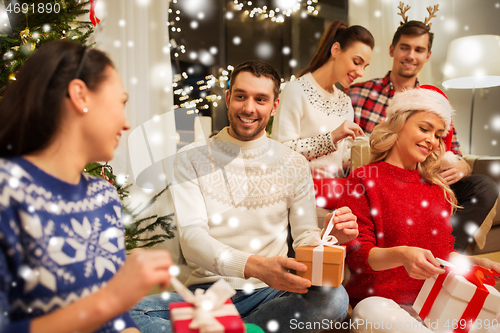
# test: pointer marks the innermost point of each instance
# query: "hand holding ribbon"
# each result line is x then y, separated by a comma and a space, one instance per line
320, 243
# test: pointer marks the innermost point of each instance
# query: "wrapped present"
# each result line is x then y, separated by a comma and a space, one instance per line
360, 152
459, 302
324, 259
209, 311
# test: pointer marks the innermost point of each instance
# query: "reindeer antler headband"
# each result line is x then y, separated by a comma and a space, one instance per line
403, 9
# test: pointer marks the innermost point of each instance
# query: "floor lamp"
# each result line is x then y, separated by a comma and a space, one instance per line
473, 62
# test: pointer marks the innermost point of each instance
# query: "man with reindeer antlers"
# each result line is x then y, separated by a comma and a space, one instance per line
410, 50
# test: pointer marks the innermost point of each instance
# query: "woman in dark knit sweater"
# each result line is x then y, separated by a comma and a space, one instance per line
403, 208
62, 256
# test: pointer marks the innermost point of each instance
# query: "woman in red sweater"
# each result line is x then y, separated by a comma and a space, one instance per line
403, 208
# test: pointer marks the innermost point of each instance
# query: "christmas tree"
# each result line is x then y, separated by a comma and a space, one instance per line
135, 228
26, 25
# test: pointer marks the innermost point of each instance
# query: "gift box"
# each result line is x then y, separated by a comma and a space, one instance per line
227, 316
459, 302
360, 152
326, 271
205, 311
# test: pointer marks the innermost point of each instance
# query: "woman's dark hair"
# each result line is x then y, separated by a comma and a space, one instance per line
30, 110
345, 36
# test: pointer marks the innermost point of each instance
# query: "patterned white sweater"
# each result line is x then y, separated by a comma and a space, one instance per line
58, 243
234, 199
307, 115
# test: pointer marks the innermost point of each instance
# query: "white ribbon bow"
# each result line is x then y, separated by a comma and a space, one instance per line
206, 303
320, 243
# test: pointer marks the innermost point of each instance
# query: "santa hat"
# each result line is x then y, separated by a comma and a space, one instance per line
424, 98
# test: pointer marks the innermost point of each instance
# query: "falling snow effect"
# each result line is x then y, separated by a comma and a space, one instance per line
248, 288
174, 270
119, 325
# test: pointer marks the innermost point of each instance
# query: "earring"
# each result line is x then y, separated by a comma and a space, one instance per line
85, 110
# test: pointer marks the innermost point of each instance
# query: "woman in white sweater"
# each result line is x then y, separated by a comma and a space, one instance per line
314, 115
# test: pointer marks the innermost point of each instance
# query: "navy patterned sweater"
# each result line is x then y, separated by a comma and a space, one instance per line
58, 243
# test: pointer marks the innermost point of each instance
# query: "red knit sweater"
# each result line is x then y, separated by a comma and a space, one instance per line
394, 207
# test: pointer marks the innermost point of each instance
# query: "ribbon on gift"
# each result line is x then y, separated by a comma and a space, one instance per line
95, 21
477, 275
207, 305
320, 243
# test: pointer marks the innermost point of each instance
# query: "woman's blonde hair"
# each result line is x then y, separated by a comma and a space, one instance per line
383, 139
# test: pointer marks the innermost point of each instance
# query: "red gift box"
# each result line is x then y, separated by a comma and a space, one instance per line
181, 315
457, 301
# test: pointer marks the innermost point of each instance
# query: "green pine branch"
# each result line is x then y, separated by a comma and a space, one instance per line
135, 229
44, 27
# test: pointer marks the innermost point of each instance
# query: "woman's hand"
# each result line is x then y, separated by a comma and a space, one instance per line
345, 226
348, 128
420, 263
142, 270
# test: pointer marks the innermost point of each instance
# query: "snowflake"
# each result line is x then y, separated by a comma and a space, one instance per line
370, 291
119, 325
297, 315
255, 244
13, 182
320, 202
273, 325
233, 222
409, 222
434, 232
236, 40
374, 212
380, 235
300, 211
470, 228
495, 169
264, 50
174, 270
473, 200
444, 213
425, 203
165, 295
216, 219
248, 288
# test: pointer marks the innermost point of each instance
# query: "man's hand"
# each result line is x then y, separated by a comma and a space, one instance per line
456, 172
274, 271
345, 226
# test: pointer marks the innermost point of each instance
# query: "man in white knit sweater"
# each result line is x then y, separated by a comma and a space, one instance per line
235, 200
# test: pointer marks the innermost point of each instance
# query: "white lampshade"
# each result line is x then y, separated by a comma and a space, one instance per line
473, 62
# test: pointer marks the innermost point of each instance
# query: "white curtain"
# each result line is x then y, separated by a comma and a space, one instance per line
135, 35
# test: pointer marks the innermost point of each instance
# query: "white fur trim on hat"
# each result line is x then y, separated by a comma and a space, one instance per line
422, 100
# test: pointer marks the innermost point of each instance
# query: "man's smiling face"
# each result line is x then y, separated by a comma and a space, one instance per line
410, 54
250, 103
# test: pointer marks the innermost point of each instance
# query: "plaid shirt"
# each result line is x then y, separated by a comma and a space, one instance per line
370, 100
